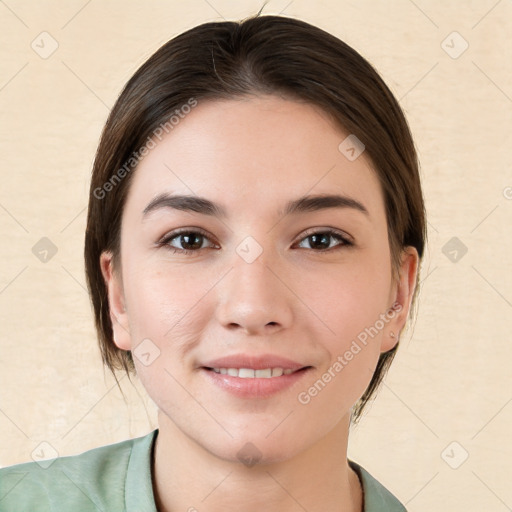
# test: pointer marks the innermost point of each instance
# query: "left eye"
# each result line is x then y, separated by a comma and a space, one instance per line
320, 239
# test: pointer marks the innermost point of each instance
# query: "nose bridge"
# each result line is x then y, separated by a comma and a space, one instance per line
251, 295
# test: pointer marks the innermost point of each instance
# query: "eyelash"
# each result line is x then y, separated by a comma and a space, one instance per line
164, 242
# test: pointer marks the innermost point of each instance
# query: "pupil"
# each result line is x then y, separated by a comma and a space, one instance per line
187, 237
323, 237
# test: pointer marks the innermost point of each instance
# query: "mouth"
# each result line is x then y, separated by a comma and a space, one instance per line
254, 383
253, 373
247, 375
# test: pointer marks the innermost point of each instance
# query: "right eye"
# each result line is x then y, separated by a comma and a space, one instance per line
190, 240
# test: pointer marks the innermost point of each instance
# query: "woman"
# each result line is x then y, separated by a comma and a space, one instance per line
255, 228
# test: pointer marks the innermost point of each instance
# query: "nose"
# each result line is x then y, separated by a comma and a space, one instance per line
255, 297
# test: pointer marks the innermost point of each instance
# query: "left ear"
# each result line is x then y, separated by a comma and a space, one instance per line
401, 298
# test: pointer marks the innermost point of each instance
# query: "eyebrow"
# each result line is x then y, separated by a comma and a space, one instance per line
204, 206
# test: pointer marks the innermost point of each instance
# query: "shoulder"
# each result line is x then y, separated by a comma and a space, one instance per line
376, 497
94, 480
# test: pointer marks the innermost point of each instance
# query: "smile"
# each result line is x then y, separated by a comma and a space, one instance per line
250, 373
254, 383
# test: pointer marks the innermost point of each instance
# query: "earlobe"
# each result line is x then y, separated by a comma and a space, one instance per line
116, 302
400, 308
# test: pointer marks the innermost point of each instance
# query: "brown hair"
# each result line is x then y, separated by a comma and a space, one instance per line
223, 60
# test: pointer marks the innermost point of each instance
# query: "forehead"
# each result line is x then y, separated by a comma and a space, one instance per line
254, 154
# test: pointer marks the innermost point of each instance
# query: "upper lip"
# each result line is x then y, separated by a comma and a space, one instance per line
256, 362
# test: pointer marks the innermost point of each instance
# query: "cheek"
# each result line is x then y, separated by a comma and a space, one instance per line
354, 309
163, 302
166, 318
351, 299
168, 313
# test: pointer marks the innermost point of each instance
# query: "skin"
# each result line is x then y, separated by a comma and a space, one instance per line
297, 300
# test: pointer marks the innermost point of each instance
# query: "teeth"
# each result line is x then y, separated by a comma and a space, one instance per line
249, 373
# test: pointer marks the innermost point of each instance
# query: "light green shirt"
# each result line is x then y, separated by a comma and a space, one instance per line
117, 478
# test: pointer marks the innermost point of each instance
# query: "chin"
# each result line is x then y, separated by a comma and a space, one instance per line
254, 454
253, 448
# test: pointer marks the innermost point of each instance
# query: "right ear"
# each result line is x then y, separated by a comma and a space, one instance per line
116, 302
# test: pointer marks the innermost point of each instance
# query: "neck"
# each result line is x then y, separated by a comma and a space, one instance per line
186, 476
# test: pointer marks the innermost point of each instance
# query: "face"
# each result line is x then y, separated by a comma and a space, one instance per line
302, 291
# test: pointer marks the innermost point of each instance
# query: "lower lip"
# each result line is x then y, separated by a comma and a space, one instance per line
255, 387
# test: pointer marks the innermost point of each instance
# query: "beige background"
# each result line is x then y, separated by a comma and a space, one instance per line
452, 378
